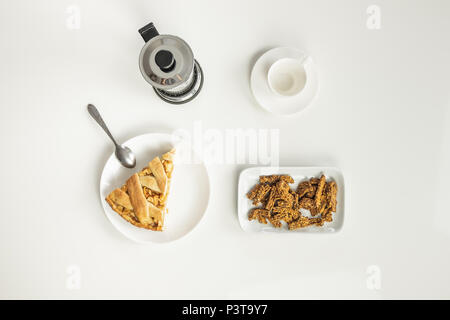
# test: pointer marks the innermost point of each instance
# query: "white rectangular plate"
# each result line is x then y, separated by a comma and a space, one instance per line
250, 177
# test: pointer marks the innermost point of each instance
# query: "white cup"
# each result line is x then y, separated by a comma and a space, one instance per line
287, 77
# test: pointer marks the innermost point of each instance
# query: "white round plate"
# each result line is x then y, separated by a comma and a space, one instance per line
189, 189
271, 101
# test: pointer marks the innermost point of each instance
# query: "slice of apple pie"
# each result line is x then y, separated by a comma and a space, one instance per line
142, 199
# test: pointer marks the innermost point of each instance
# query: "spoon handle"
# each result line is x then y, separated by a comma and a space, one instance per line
96, 115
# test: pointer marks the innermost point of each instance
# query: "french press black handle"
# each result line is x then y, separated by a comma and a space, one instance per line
148, 32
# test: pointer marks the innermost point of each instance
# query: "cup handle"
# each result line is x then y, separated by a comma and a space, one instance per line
148, 32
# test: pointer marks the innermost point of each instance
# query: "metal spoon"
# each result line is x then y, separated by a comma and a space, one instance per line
125, 156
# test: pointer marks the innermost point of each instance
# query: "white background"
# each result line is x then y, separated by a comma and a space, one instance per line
382, 116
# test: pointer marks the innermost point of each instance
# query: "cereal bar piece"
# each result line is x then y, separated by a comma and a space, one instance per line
308, 204
259, 214
275, 178
275, 222
279, 214
286, 214
271, 201
333, 193
320, 187
281, 204
327, 216
261, 194
285, 200
295, 202
311, 193
301, 222
316, 221
252, 193
258, 193
303, 188
323, 207
282, 189
283, 210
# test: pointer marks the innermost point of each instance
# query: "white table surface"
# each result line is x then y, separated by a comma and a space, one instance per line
382, 116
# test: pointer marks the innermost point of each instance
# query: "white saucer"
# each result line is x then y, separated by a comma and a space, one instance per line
268, 99
189, 190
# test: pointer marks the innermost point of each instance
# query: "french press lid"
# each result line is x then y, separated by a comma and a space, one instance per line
166, 61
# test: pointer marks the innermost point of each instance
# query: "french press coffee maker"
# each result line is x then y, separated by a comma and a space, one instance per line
168, 64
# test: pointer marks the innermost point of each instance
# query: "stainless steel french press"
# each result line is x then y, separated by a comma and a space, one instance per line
168, 64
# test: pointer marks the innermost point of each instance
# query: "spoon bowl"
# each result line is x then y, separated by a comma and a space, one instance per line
125, 156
